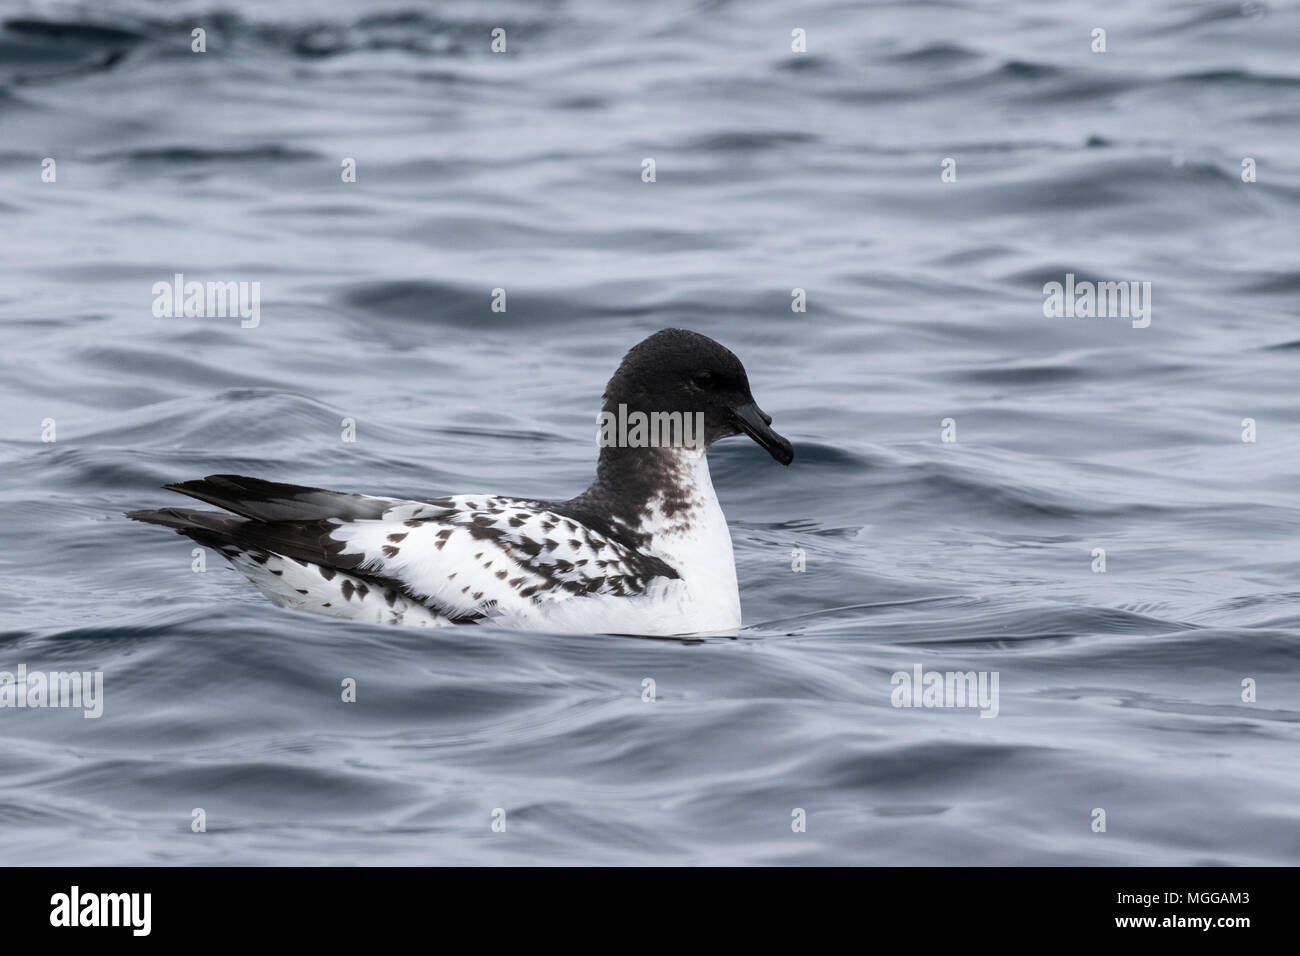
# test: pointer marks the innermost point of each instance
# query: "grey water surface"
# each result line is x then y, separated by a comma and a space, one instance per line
775, 170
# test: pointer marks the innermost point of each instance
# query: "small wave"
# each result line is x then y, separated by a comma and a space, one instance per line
936, 54
190, 155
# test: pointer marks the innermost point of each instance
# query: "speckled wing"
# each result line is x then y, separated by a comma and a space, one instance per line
472, 555
452, 560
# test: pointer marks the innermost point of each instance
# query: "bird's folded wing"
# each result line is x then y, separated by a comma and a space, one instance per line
472, 553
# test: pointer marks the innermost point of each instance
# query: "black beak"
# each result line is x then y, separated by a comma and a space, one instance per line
755, 423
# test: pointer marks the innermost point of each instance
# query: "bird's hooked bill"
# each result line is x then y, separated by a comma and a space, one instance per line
757, 424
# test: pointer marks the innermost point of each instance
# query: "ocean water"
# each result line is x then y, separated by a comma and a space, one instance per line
1120, 691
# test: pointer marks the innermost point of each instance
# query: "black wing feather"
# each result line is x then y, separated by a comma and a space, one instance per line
276, 501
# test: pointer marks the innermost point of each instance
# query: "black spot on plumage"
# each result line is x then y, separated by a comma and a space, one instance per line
517, 522
575, 544
390, 551
278, 572
551, 545
327, 604
259, 557
515, 582
326, 573
483, 529
362, 591
301, 590
530, 590
412, 523
502, 574
348, 589
397, 536
478, 595
391, 597
530, 547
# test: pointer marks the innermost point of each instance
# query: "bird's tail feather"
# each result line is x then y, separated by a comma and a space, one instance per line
206, 527
275, 501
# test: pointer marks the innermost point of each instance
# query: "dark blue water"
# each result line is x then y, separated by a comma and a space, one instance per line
1119, 691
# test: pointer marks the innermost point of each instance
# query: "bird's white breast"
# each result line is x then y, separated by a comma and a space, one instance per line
696, 542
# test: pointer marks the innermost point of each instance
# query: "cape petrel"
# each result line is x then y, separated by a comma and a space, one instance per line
644, 550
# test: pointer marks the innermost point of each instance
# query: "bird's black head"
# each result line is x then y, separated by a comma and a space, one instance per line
683, 372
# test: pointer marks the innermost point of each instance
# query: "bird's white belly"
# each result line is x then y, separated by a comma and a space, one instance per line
668, 608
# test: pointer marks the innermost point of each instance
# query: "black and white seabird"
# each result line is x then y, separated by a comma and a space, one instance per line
644, 550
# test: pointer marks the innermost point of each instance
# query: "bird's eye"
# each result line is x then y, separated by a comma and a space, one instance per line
703, 378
